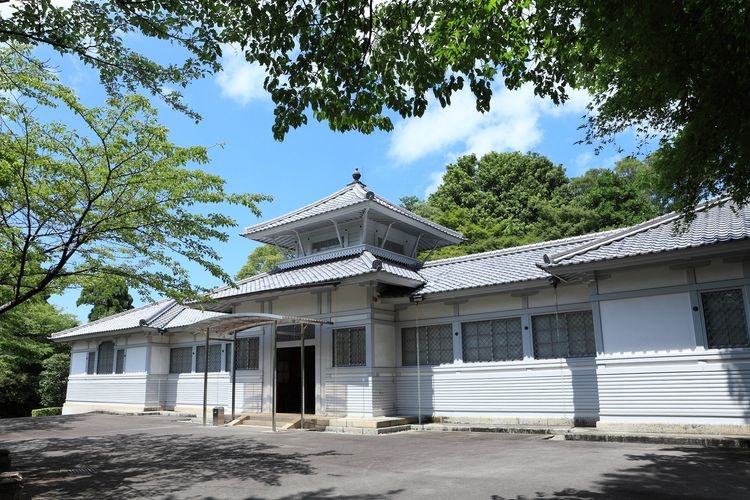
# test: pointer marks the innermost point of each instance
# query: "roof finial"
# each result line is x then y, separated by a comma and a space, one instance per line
356, 175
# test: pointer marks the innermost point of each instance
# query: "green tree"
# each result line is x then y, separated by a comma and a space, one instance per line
675, 69
107, 294
261, 260
508, 199
112, 198
24, 345
602, 199
494, 200
53, 380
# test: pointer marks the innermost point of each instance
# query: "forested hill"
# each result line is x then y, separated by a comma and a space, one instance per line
507, 199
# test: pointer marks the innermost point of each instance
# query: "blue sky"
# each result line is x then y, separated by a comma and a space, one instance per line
313, 161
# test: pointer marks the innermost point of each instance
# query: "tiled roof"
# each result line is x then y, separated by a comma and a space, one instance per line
352, 194
126, 320
188, 316
316, 274
715, 222
498, 267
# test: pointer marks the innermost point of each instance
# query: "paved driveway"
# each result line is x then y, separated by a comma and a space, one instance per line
107, 456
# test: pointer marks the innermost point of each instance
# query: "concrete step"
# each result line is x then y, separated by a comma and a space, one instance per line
367, 431
369, 422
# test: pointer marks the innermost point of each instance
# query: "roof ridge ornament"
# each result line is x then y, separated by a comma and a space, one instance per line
356, 175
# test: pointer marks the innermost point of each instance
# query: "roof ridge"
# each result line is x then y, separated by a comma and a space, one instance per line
630, 231
349, 187
516, 249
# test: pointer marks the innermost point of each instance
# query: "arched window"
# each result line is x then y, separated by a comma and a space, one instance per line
106, 357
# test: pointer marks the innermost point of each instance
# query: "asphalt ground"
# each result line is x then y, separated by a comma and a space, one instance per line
110, 456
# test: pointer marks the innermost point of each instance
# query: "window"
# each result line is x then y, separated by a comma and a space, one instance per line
248, 353
90, 362
120, 361
320, 246
292, 332
180, 360
106, 357
726, 323
214, 358
563, 335
435, 345
349, 346
497, 340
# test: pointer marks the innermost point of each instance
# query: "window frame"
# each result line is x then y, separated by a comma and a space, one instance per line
202, 358
119, 370
590, 354
91, 362
745, 303
192, 359
334, 354
493, 336
428, 362
100, 359
236, 358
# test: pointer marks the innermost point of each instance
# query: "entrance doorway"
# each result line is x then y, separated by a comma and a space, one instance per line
289, 380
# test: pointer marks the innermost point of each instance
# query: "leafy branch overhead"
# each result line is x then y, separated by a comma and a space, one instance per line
113, 197
674, 69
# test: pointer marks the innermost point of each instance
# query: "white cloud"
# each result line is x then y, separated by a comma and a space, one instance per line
435, 179
240, 80
513, 123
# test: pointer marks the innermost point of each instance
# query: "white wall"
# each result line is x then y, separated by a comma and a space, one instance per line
648, 324
78, 362
135, 360
538, 389
709, 387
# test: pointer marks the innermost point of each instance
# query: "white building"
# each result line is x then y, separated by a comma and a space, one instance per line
641, 326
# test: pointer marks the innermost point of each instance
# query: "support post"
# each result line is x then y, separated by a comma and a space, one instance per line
234, 370
205, 380
302, 368
273, 377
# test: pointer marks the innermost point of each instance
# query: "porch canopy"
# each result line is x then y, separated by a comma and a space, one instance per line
224, 324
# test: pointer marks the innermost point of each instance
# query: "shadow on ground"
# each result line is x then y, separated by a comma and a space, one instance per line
144, 465
710, 472
22, 424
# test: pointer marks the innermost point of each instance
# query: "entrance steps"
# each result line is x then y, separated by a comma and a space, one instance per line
323, 423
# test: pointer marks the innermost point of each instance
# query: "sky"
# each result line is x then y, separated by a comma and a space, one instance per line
313, 161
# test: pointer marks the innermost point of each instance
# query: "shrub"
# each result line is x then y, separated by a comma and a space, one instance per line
46, 412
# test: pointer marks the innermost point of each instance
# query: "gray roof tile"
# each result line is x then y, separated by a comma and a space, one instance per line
715, 222
125, 320
352, 194
498, 267
315, 274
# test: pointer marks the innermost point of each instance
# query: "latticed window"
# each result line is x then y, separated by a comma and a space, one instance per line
105, 358
90, 362
496, 340
120, 361
564, 335
726, 323
349, 346
180, 360
248, 353
214, 358
435, 345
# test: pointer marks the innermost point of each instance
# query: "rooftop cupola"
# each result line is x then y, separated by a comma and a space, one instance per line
352, 220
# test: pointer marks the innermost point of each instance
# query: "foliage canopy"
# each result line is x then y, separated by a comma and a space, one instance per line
107, 294
111, 198
675, 69
261, 260
508, 199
